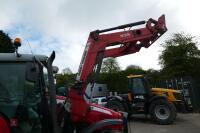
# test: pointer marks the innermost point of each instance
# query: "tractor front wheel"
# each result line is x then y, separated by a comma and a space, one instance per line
162, 112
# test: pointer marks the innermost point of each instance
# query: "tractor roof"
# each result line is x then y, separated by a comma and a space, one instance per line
12, 57
135, 76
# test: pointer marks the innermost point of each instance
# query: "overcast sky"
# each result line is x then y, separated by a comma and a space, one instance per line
64, 25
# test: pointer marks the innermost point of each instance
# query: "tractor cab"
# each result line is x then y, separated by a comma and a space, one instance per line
138, 84
138, 88
139, 91
26, 93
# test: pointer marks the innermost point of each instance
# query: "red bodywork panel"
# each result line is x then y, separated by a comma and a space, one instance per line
4, 127
130, 41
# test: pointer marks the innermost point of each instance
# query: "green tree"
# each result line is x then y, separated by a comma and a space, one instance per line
153, 77
110, 65
134, 69
65, 80
180, 56
67, 71
6, 45
117, 81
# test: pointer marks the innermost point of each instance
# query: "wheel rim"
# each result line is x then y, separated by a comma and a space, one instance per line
162, 112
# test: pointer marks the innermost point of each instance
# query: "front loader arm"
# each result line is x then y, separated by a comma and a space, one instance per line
101, 45
131, 41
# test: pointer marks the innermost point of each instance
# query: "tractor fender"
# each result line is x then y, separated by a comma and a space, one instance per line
156, 97
103, 123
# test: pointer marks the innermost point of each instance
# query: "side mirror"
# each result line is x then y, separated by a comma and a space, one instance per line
31, 72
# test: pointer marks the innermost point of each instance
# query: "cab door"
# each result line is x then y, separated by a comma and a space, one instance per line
138, 91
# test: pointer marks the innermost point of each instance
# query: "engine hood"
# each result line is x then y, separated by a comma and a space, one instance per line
106, 111
165, 90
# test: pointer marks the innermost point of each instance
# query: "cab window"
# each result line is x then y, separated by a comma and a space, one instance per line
12, 77
137, 86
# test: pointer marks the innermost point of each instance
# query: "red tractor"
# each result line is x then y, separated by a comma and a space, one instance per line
85, 114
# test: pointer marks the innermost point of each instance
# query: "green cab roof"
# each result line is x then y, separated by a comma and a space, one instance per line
12, 57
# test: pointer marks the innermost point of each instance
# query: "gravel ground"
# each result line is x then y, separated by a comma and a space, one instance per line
184, 123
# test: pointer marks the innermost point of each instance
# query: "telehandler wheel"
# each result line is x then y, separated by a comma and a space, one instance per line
115, 105
4, 127
162, 112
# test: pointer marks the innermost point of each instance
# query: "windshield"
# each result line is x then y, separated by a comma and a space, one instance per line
137, 86
35, 83
21, 83
12, 76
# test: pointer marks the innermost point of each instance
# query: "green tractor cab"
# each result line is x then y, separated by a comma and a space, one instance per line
24, 106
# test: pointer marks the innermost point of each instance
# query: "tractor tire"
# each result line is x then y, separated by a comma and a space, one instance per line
4, 127
115, 105
162, 112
